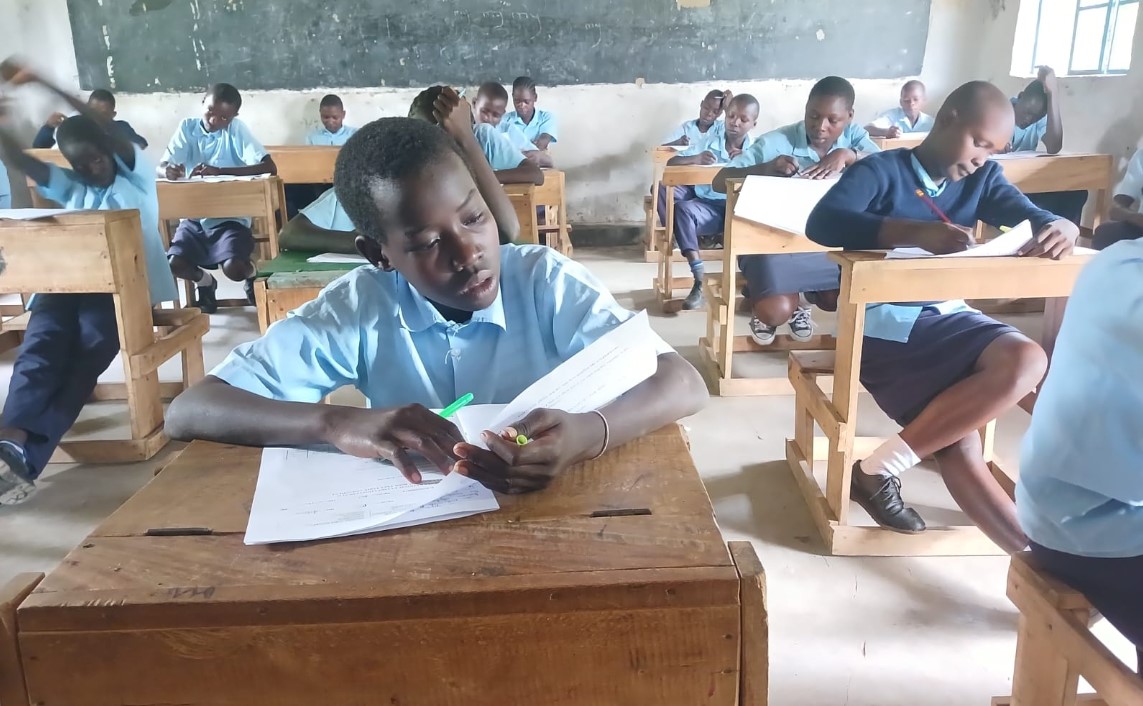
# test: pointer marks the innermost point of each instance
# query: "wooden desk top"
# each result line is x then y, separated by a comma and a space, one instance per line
305, 164
539, 553
1037, 173
689, 174
217, 199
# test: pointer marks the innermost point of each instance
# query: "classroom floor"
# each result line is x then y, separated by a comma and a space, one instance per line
854, 631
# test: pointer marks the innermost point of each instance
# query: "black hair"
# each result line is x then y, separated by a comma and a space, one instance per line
493, 90
835, 86
715, 94
103, 96
80, 129
422, 106
524, 83
331, 101
745, 100
1035, 90
969, 101
914, 83
389, 149
225, 93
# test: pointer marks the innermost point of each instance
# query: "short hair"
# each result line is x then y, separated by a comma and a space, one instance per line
331, 101
835, 86
524, 83
745, 100
103, 96
1035, 89
911, 84
714, 94
79, 129
388, 149
422, 106
492, 90
225, 93
970, 101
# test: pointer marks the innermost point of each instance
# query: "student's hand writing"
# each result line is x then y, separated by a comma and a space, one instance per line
556, 441
394, 434
893, 132
1046, 75
1054, 240
831, 165
707, 158
683, 141
942, 238
453, 113
54, 120
175, 171
782, 166
205, 170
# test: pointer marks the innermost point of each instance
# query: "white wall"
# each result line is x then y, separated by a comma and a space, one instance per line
607, 130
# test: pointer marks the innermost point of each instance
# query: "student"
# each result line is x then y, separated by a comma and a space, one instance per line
539, 126
333, 131
819, 147
218, 143
695, 131
101, 104
908, 117
444, 311
700, 210
1038, 120
71, 338
1080, 492
489, 108
1126, 220
321, 227
940, 369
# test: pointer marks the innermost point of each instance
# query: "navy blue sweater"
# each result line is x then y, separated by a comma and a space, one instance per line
46, 137
883, 186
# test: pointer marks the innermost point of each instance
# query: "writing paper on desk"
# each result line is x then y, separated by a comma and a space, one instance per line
784, 203
1004, 245
34, 214
1023, 154
215, 178
305, 494
332, 258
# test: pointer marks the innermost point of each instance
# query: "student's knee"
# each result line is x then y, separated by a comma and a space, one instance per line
775, 310
1018, 364
950, 458
826, 301
238, 270
182, 267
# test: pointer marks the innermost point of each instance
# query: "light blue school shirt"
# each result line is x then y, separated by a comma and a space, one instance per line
233, 146
498, 149
518, 139
716, 145
542, 122
792, 140
5, 188
690, 130
324, 138
132, 189
1027, 139
326, 212
896, 117
373, 330
1081, 471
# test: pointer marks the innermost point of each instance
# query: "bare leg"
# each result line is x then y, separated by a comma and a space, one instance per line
185, 269
775, 310
976, 491
238, 270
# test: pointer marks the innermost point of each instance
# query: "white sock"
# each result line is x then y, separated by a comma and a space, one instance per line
206, 280
893, 457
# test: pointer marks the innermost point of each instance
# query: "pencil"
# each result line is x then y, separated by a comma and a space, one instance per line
932, 206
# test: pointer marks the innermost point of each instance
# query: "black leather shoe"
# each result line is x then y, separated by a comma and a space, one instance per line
695, 300
206, 298
880, 496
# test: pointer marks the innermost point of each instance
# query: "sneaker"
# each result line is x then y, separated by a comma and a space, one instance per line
248, 287
15, 478
801, 324
880, 496
763, 334
695, 300
206, 298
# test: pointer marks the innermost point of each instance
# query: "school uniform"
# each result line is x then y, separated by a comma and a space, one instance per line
72, 338
46, 137
542, 122
5, 188
1131, 186
518, 139
896, 117
1079, 497
690, 130
769, 275
498, 149
914, 351
699, 210
326, 212
321, 137
209, 242
1068, 204
373, 330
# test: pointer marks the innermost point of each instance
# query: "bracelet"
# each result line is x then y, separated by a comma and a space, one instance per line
606, 434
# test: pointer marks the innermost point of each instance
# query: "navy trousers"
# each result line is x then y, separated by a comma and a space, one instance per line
1112, 232
70, 341
1065, 204
694, 216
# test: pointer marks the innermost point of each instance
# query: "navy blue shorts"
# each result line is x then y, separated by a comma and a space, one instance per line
770, 275
209, 249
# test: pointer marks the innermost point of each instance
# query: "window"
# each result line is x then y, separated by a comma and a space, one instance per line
1075, 37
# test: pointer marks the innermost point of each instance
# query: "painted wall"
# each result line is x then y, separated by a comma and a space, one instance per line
607, 130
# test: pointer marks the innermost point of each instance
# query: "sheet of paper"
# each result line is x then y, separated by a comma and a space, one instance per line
1004, 245
332, 258
216, 178
476, 418
33, 214
784, 203
306, 494
1024, 154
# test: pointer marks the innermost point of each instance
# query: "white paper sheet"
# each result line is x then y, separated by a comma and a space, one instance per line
33, 214
332, 258
1004, 245
215, 178
1024, 154
784, 203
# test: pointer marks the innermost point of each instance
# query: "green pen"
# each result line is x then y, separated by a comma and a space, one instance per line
456, 406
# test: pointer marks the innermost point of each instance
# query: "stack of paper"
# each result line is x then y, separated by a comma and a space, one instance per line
216, 177
783, 203
33, 214
332, 258
1004, 245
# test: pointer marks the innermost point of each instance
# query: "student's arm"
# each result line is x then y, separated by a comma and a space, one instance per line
543, 141
46, 136
705, 158
881, 127
681, 141
266, 166
1053, 138
130, 134
528, 172
1004, 205
540, 158
762, 159
301, 234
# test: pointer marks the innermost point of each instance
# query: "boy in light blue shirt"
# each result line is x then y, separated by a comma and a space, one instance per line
323, 226
707, 124
539, 126
700, 210
72, 338
819, 147
1079, 497
333, 132
489, 109
908, 117
215, 144
443, 311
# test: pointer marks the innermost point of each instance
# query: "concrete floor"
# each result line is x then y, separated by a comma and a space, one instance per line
856, 631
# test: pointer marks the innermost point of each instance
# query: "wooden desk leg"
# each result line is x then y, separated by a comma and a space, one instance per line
1042, 676
13, 688
1053, 317
273, 188
144, 399
753, 652
261, 300
725, 354
846, 385
666, 258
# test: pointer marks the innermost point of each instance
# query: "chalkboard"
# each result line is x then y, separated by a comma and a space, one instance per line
146, 46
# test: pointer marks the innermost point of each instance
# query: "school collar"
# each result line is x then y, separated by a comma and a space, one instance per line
931, 187
415, 313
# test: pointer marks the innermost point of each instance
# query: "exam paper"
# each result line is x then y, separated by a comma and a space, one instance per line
1023, 154
216, 177
784, 203
1004, 245
332, 258
33, 214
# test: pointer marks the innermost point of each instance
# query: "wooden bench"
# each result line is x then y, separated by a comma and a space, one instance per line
868, 278
717, 348
102, 252
1055, 647
553, 230
659, 157
665, 283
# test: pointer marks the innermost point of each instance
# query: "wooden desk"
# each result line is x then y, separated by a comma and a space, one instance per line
665, 283
304, 164
539, 603
659, 157
869, 278
909, 139
282, 292
527, 198
1041, 173
258, 199
717, 348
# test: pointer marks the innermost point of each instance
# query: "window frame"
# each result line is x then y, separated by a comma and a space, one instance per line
1110, 21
